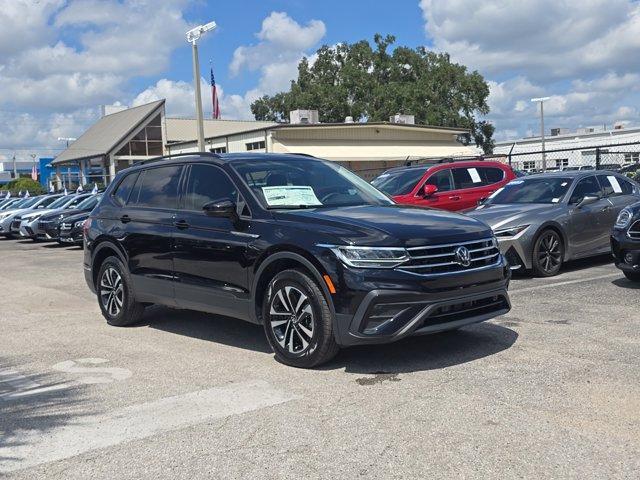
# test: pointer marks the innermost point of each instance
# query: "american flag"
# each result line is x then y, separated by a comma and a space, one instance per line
215, 112
34, 173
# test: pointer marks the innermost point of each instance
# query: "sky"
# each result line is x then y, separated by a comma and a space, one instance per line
61, 59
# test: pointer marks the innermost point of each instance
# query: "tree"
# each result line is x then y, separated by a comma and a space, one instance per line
25, 184
359, 81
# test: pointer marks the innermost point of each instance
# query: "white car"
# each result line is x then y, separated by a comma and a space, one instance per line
29, 221
34, 203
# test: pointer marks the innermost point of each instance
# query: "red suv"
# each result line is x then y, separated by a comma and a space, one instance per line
447, 185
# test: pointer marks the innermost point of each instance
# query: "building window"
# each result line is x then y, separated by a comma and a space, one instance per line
632, 157
147, 142
261, 145
529, 165
218, 150
562, 162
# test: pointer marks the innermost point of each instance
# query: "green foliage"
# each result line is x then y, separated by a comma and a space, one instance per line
365, 83
24, 184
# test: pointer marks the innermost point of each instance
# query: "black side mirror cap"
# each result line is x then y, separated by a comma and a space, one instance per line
220, 209
587, 200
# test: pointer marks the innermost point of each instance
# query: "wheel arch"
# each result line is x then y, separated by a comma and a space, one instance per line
105, 248
555, 226
278, 261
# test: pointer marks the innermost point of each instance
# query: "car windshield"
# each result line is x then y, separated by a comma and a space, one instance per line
76, 201
543, 189
288, 183
89, 203
60, 202
30, 202
399, 182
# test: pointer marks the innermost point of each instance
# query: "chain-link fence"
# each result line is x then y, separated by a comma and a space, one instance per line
620, 157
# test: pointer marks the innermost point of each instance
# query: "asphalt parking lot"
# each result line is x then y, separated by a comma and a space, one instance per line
550, 390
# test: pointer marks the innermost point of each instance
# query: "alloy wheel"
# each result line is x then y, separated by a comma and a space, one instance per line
549, 252
112, 292
291, 319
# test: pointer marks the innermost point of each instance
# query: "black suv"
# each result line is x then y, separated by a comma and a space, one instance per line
625, 242
301, 245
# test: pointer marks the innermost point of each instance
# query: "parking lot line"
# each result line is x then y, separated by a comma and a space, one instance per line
559, 284
30, 448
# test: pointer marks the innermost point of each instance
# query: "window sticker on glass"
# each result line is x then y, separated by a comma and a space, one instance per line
564, 184
475, 176
555, 200
290, 195
614, 183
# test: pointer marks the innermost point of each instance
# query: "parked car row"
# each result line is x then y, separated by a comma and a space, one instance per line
49, 217
321, 258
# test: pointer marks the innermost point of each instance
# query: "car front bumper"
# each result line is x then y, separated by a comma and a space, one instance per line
383, 306
621, 245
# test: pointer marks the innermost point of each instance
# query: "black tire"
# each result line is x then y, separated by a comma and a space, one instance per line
633, 276
548, 254
115, 295
301, 335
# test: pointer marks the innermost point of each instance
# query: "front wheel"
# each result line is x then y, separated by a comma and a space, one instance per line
115, 294
298, 321
633, 276
548, 252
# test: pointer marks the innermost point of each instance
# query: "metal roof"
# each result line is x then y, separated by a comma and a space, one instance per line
108, 132
184, 129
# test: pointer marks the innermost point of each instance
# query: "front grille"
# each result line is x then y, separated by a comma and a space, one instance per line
439, 259
15, 225
464, 310
634, 230
43, 224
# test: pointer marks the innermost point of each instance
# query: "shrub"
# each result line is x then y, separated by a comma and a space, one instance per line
24, 184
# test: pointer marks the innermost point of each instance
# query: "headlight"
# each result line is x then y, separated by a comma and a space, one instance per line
510, 231
371, 257
4, 215
78, 224
31, 219
624, 219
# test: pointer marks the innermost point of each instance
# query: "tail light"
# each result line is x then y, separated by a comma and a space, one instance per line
85, 227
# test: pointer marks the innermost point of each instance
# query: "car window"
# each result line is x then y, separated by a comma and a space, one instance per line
442, 180
490, 175
157, 188
208, 183
76, 201
47, 201
399, 182
613, 185
466, 178
586, 186
121, 195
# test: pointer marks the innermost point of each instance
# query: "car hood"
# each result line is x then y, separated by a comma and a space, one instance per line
19, 211
77, 216
53, 214
499, 216
390, 225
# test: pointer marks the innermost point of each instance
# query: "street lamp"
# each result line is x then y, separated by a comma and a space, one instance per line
193, 36
541, 100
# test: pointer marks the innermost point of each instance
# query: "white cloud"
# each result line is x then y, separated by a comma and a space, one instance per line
283, 43
581, 53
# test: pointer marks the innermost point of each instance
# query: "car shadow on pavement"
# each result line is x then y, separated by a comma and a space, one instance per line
204, 326
426, 352
34, 405
624, 283
571, 266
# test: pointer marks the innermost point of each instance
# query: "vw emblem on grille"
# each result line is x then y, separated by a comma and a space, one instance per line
462, 256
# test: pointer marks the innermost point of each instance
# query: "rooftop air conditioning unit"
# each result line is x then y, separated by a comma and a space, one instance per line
404, 119
297, 117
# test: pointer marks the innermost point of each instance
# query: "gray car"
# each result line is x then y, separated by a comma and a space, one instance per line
544, 220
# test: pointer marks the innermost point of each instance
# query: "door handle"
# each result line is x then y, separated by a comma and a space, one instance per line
454, 197
125, 218
181, 224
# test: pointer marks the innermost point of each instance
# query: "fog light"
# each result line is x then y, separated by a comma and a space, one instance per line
629, 257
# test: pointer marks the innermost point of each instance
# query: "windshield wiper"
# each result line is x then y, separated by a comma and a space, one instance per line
291, 207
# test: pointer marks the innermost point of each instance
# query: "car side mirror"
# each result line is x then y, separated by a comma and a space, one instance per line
587, 200
483, 200
429, 190
220, 209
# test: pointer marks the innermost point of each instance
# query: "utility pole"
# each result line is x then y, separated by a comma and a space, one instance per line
541, 100
193, 36
15, 169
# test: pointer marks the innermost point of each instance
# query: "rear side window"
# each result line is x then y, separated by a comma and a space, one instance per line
614, 186
466, 178
121, 195
157, 188
207, 184
490, 175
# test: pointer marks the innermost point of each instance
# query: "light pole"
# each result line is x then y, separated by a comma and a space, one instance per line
541, 100
67, 140
193, 36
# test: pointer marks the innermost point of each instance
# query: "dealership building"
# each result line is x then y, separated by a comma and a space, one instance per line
120, 139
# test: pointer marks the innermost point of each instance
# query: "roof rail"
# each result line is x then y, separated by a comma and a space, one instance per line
177, 155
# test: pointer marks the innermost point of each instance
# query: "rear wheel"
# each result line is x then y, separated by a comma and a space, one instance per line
548, 252
633, 276
298, 321
115, 295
